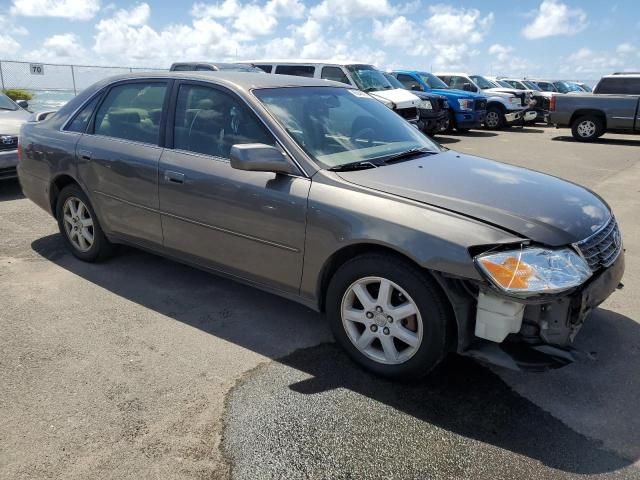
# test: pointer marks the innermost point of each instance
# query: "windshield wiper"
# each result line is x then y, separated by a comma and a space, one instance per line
412, 152
361, 165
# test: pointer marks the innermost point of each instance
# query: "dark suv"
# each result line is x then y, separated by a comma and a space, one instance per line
619, 84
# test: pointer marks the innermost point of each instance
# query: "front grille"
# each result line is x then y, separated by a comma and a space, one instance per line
408, 113
8, 172
8, 142
481, 104
602, 248
542, 103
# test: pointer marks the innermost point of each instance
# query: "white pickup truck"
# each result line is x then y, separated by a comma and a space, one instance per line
505, 106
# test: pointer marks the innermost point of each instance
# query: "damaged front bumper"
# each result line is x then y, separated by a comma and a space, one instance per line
431, 122
537, 333
525, 115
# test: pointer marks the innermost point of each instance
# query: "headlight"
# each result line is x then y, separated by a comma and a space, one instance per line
426, 104
534, 270
466, 104
515, 100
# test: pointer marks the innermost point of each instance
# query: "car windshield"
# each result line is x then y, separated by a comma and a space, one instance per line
566, 87
369, 79
433, 81
6, 103
502, 83
483, 82
585, 87
339, 126
395, 83
532, 86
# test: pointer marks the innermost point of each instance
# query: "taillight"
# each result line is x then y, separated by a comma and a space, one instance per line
552, 103
19, 151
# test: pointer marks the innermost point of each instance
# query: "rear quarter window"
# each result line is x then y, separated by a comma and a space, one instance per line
297, 70
619, 85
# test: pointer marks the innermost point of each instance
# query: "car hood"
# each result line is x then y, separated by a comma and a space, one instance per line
428, 95
453, 93
536, 206
500, 92
400, 97
11, 121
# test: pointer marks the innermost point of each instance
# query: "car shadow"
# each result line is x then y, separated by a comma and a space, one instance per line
10, 190
525, 129
461, 395
601, 141
445, 140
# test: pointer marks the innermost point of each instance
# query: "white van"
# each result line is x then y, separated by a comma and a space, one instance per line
360, 75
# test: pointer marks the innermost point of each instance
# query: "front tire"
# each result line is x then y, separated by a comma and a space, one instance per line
494, 119
587, 128
79, 226
389, 316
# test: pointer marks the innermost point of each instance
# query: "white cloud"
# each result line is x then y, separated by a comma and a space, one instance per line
507, 62
8, 46
586, 63
501, 52
452, 33
345, 9
399, 32
226, 9
555, 18
61, 47
457, 25
70, 9
626, 48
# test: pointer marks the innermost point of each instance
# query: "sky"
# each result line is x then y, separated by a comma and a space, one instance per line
578, 39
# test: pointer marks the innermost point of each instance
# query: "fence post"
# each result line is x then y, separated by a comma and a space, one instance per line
73, 77
1, 77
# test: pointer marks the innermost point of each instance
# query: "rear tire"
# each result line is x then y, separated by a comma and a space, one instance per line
401, 334
451, 122
494, 119
587, 128
80, 227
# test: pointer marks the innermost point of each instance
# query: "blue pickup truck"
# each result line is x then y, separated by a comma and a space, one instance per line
466, 109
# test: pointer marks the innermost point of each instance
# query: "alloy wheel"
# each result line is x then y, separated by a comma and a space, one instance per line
78, 224
381, 320
586, 128
492, 119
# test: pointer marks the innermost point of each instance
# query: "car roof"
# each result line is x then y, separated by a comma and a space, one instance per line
303, 62
244, 80
623, 75
457, 74
215, 64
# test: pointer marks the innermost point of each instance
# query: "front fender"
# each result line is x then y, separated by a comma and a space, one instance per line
342, 215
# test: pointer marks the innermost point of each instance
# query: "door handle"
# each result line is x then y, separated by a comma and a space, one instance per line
173, 177
84, 154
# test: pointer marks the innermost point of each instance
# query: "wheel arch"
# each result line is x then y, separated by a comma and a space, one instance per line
589, 111
497, 104
447, 287
57, 184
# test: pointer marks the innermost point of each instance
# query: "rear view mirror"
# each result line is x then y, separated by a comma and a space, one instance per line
417, 88
23, 104
258, 157
467, 87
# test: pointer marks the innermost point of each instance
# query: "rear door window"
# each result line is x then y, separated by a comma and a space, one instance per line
132, 111
334, 73
297, 70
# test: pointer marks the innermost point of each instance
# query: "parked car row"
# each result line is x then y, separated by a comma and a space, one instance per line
316, 191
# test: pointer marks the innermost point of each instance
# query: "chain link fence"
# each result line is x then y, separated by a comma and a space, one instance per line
53, 84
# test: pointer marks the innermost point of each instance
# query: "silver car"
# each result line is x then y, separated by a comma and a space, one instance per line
317, 192
12, 116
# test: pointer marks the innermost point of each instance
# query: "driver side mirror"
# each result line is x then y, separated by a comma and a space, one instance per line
22, 104
467, 87
417, 88
258, 157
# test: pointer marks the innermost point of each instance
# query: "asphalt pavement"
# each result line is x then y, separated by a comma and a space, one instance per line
144, 368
